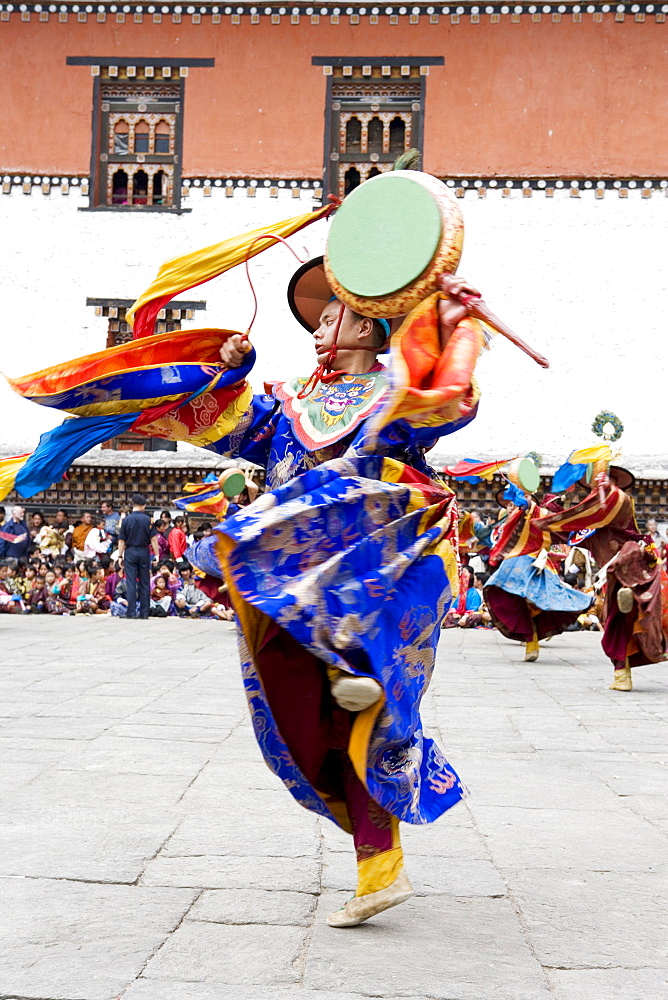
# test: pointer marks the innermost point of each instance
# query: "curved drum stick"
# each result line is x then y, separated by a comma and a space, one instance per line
478, 308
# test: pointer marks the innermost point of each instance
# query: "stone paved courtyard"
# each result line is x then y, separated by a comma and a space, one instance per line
147, 853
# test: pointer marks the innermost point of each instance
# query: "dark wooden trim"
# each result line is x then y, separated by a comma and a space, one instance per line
178, 147
137, 208
94, 184
419, 138
139, 61
327, 165
121, 303
377, 61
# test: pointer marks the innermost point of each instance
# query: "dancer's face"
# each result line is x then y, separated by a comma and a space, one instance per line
355, 332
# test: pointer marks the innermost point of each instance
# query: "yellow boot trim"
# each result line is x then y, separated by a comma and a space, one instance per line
380, 871
532, 649
623, 680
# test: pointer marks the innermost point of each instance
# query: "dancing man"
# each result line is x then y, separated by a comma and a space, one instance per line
341, 574
525, 597
635, 612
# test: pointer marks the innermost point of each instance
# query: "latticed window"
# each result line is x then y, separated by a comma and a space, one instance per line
119, 332
374, 113
138, 132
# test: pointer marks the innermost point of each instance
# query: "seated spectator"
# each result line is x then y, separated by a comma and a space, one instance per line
159, 542
112, 520
51, 541
36, 524
474, 593
10, 603
167, 518
79, 536
61, 523
119, 605
190, 601
38, 598
111, 581
93, 599
64, 595
166, 571
223, 613
15, 540
161, 599
22, 579
97, 541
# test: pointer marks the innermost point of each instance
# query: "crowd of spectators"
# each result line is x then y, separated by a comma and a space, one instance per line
67, 565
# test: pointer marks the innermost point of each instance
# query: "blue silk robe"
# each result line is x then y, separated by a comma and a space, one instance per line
353, 552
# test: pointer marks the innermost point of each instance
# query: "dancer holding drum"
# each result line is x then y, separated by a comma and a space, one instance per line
341, 573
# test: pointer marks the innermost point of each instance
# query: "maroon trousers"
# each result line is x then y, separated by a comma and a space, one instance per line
317, 731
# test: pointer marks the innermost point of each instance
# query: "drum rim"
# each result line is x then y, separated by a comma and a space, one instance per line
448, 253
429, 202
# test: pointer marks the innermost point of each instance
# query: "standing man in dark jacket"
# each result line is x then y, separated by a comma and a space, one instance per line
133, 550
15, 538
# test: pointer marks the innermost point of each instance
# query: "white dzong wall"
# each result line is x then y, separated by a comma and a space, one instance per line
581, 279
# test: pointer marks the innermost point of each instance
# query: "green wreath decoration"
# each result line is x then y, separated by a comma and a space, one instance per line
606, 417
534, 457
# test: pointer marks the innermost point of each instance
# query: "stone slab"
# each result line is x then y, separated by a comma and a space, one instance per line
149, 756
542, 782
441, 947
278, 873
261, 823
95, 848
575, 839
59, 789
148, 989
254, 906
261, 955
594, 919
609, 984
72, 941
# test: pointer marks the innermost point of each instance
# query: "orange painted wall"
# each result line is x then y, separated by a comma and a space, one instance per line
517, 99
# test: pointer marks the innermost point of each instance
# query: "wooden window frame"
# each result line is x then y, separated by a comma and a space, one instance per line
155, 72
365, 72
100, 196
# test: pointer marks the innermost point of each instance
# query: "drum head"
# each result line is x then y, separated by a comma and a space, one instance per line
232, 482
528, 475
385, 234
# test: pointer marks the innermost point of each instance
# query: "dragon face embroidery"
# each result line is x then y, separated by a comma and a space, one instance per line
334, 409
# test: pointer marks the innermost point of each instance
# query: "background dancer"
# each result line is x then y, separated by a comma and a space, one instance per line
635, 612
525, 597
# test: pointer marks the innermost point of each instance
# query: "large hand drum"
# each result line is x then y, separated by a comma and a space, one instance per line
390, 240
524, 473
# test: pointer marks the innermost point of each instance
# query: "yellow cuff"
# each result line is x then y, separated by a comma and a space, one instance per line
379, 872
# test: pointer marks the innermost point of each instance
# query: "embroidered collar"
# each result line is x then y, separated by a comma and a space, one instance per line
338, 405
